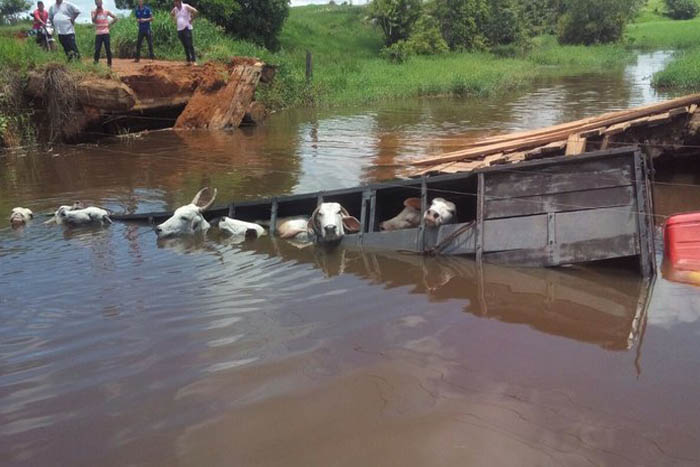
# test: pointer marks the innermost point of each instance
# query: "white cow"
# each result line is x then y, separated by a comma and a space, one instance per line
406, 219
238, 228
441, 212
57, 219
188, 219
328, 224
20, 216
81, 217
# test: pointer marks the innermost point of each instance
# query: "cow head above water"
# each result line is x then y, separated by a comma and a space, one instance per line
188, 219
441, 212
406, 219
330, 222
20, 216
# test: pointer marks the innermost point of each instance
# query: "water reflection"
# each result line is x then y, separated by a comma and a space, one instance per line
577, 303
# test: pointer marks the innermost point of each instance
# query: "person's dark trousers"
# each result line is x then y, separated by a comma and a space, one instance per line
99, 40
186, 38
139, 41
69, 46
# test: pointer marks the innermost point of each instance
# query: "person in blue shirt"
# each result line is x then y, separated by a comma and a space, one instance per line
144, 17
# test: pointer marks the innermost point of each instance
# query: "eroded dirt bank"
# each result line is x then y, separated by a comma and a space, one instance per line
153, 94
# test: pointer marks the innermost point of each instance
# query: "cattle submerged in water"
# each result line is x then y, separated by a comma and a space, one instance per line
82, 217
20, 216
238, 228
439, 213
57, 219
188, 219
328, 224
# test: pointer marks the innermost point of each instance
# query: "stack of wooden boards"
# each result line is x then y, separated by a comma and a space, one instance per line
573, 138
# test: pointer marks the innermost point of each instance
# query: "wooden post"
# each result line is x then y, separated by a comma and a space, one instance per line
309, 66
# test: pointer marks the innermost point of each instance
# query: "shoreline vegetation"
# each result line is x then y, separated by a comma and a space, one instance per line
348, 66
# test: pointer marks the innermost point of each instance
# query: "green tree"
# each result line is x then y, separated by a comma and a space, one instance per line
595, 21
540, 16
682, 9
504, 23
10, 10
461, 22
395, 17
259, 21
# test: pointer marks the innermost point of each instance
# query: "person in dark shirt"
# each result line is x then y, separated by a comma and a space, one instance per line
144, 17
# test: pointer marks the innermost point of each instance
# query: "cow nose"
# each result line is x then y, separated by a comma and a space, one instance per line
330, 229
435, 215
382, 226
158, 230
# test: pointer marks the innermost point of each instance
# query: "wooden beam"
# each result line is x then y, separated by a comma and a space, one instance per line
575, 145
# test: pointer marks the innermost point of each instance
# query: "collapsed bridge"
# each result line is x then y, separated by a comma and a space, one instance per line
160, 94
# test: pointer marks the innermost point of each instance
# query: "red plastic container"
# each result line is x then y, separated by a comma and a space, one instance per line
682, 245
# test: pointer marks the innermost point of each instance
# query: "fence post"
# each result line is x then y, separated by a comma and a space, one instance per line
309, 66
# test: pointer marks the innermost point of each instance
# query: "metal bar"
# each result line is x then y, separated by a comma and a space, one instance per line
420, 241
641, 210
319, 199
372, 210
231, 210
552, 246
273, 217
479, 229
363, 214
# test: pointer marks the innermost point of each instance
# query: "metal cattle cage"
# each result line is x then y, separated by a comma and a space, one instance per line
549, 212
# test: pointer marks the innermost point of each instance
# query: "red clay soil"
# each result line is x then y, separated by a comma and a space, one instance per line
158, 78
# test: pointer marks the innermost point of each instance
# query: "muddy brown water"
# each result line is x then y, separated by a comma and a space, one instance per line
118, 350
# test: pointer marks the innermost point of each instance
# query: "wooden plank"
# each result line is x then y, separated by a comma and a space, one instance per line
559, 202
678, 111
537, 138
617, 129
639, 122
575, 145
509, 185
692, 108
493, 159
659, 118
592, 133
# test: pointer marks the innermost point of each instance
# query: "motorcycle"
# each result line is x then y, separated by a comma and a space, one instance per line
46, 39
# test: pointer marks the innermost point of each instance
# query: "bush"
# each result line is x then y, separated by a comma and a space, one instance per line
595, 21
682, 9
461, 22
424, 40
395, 17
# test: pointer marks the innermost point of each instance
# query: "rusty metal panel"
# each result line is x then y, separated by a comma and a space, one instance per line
559, 202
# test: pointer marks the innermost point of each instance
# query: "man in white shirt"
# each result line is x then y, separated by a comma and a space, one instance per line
183, 14
62, 16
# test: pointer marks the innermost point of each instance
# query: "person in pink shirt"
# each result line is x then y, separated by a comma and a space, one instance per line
183, 14
101, 20
41, 16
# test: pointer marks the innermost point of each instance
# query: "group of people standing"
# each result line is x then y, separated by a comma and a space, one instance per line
63, 15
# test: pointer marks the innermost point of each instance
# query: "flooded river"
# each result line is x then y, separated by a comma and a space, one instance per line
116, 351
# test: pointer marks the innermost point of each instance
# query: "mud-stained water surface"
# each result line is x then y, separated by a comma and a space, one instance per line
117, 350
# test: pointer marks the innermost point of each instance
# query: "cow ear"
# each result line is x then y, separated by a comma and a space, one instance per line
351, 224
414, 203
